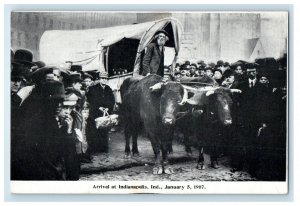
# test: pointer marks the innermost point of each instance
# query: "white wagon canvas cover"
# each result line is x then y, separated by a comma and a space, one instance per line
106, 48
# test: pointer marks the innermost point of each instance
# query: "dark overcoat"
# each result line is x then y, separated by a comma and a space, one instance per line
153, 61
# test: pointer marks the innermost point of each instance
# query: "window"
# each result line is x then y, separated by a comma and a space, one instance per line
36, 42
51, 24
12, 38
63, 25
19, 39
27, 40
36, 17
59, 24
44, 22
71, 26
27, 18
19, 17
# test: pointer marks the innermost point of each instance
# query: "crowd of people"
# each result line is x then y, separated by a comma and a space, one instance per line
257, 137
53, 113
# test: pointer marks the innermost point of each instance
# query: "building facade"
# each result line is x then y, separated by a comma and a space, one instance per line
206, 36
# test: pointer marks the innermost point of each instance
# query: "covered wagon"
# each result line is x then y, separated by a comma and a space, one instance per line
117, 50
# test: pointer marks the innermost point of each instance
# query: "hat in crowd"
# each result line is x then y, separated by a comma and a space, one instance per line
94, 74
218, 70
187, 63
228, 73
200, 62
202, 68
203, 65
161, 31
75, 77
76, 68
23, 56
103, 74
212, 65
208, 68
220, 63
263, 74
53, 90
70, 99
226, 64
40, 73
39, 64
87, 75
251, 66
193, 64
238, 63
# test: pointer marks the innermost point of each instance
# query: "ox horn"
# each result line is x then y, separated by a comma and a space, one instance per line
184, 98
235, 91
156, 87
210, 92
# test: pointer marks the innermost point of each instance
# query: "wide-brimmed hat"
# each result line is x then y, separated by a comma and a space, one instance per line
103, 75
23, 56
161, 31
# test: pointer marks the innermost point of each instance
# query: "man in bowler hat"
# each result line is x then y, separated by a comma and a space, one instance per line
153, 61
23, 61
100, 98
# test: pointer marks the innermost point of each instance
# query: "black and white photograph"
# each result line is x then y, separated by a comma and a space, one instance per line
149, 102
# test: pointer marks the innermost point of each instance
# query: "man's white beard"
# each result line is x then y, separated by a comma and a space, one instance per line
161, 43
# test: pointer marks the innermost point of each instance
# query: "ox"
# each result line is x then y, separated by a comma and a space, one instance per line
155, 105
211, 107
